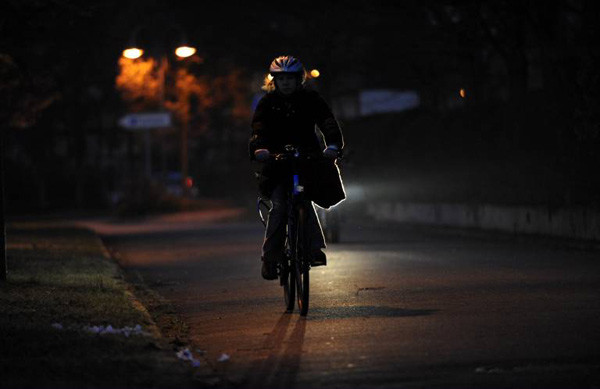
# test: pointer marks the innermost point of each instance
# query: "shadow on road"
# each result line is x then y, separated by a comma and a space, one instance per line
280, 368
367, 311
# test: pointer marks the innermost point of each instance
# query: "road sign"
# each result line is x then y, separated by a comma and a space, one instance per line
144, 121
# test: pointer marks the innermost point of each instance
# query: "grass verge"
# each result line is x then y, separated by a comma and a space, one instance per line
61, 284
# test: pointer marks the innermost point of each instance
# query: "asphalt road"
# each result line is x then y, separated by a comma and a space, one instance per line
397, 306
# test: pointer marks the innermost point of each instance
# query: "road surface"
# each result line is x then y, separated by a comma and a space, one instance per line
397, 306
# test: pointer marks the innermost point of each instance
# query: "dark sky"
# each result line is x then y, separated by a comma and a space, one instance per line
344, 39
334, 36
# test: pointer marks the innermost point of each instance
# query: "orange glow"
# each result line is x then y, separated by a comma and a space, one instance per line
270, 77
138, 82
185, 51
315, 73
462, 93
189, 182
133, 53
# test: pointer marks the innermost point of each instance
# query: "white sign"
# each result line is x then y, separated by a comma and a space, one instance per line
144, 121
387, 100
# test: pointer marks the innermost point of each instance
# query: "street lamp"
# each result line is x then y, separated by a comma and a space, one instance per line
183, 50
133, 53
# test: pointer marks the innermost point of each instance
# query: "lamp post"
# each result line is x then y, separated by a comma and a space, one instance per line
182, 51
3, 264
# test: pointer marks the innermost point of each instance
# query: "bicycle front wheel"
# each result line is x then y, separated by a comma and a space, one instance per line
288, 282
301, 265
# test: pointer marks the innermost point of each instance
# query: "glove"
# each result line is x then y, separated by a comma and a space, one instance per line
331, 152
262, 155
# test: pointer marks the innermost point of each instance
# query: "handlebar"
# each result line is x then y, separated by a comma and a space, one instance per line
293, 152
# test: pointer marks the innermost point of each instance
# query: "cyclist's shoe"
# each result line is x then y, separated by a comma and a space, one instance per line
269, 270
318, 258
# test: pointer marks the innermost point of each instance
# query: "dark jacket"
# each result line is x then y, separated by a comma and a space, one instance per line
281, 120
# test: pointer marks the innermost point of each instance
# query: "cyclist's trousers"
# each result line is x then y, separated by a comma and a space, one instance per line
274, 242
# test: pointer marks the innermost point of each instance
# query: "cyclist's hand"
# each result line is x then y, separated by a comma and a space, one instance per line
262, 155
331, 152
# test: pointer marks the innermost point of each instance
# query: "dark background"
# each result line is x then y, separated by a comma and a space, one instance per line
526, 132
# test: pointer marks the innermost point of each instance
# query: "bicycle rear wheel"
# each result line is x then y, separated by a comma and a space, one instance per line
301, 265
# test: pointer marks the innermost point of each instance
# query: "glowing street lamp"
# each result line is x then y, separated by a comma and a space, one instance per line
133, 53
315, 73
185, 51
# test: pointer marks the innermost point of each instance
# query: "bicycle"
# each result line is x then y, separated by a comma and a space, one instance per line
293, 269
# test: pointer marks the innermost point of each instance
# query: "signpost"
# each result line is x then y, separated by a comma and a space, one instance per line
146, 121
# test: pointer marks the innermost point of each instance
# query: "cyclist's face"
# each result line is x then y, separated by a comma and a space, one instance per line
286, 83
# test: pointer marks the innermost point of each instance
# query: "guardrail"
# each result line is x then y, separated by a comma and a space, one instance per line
575, 223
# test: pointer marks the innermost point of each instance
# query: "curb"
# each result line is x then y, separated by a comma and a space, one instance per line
152, 327
137, 302
203, 375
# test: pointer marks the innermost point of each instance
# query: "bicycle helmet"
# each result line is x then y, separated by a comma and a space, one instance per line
286, 64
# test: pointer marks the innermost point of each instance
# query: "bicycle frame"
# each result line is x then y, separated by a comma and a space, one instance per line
294, 268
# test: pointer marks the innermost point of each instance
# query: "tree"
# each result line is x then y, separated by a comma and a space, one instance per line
139, 83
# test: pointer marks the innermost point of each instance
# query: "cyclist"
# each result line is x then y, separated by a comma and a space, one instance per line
287, 114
